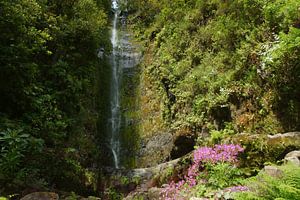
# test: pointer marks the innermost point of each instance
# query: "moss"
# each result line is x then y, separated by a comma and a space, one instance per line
130, 115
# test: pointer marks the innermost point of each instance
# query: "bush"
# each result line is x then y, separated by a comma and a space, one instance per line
15, 144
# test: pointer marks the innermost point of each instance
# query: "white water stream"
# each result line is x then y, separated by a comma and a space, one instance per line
124, 55
115, 90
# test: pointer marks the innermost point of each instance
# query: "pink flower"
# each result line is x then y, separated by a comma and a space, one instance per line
203, 155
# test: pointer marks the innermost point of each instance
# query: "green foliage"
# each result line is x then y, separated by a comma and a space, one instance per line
217, 136
48, 82
15, 144
223, 175
214, 62
113, 194
72, 196
266, 187
217, 177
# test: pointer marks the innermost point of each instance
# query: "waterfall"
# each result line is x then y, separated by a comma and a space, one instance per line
115, 120
124, 56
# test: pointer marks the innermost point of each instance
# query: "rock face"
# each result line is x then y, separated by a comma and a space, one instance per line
41, 196
293, 157
156, 149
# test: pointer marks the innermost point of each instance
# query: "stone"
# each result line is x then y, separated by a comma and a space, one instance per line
146, 194
273, 171
197, 198
41, 196
137, 195
290, 138
155, 149
272, 147
293, 157
154, 193
286, 135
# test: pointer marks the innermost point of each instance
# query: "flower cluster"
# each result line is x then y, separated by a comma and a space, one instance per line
172, 191
219, 153
203, 155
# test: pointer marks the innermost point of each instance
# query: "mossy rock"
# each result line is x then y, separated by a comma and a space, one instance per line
260, 149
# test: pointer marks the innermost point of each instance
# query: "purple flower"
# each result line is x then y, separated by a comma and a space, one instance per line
218, 153
203, 155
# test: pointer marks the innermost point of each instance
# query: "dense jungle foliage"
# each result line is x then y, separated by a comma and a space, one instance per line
215, 69
211, 69
222, 65
49, 86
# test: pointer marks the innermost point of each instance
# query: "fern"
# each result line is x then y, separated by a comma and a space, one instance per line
265, 187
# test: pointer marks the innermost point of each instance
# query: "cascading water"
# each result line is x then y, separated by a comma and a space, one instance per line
115, 90
124, 56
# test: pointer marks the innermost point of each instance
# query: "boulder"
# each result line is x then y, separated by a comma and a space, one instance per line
154, 193
262, 148
290, 138
273, 171
293, 157
137, 195
41, 196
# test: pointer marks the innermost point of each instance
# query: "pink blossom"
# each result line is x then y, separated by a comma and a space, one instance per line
203, 155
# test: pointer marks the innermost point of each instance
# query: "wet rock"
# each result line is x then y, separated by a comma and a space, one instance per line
41, 196
293, 157
273, 171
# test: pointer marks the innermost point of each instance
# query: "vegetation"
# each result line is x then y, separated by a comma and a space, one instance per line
216, 174
219, 62
215, 69
212, 169
211, 70
49, 91
284, 187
